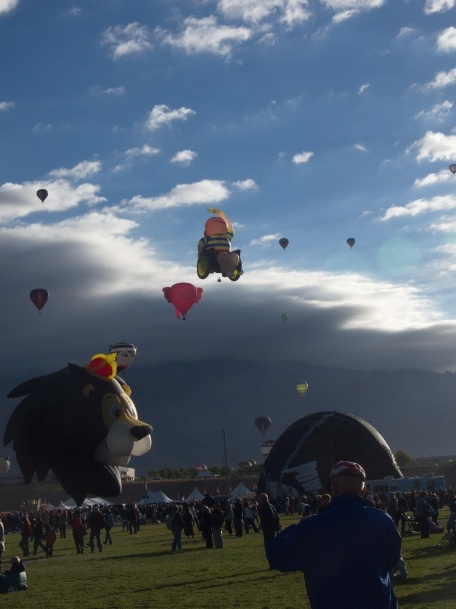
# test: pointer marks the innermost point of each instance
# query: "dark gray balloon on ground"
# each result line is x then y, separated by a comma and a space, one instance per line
301, 458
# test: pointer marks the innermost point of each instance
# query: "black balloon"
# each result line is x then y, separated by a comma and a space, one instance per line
301, 459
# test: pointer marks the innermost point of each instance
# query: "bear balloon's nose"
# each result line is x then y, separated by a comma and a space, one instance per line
140, 431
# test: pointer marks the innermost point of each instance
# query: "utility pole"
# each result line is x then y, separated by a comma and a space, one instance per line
227, 481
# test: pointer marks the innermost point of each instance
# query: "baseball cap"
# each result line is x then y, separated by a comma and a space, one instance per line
347, 468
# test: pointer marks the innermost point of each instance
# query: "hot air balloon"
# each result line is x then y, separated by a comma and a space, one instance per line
452, 168
4, 465
284, 317
301, 459
266, 447
263, 423
39, 297
201, 467
302, 387
351, 241
244, 464
183, 296
126, 353
283, 243
42, 194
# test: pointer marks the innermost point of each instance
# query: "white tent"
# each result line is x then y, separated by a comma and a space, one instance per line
195, 495
242, 491
155, 497
88, 501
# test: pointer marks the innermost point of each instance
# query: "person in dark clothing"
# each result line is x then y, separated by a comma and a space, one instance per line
238, 512
217, 521
96, 523
269, 519
206, 526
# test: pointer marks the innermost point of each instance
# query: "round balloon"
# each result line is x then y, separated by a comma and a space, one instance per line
302, 387
283, 243
452, 168
201, 467
126, 353
263, 423
351, 242
39, 297
244, 464
284, 317
4, 465
42, 194
301, 459
183, 296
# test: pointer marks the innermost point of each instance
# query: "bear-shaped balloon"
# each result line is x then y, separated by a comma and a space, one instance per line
79, 422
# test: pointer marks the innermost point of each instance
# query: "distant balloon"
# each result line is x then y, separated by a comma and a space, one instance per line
183, 296
126, 353
4, 465
351, 241
201, 467
266, 447
452, 168
39, 297
284, 317
301, 459
283, 243
252, 462
244, 464
263, 423
302, 387
42, 194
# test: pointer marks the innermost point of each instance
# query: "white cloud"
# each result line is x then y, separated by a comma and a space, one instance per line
246, 184
184, 157
207, 36
421, 206
162, 115
115, 91
266, 239
361, 148
145, 150
6, 6
438, 6
20, 200
302, 157
446, 40
360, 5
435, 146
203, 192
81, 171
363, 88
433, 178
6, 106
42, 128
438, 112
289, 12
127, 40
442, 80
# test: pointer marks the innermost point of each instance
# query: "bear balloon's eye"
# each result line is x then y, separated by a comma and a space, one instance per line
114, 411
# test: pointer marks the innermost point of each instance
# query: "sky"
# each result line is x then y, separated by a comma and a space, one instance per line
314, 120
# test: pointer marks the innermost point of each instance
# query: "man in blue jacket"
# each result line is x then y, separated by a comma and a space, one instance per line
346, 552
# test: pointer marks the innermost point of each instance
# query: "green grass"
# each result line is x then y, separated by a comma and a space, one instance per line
140, 572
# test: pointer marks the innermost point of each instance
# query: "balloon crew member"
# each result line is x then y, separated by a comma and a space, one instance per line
218, 233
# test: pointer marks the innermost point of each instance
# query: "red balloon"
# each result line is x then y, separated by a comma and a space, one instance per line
183, 296
39, 297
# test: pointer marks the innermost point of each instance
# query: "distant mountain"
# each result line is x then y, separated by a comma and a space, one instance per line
190, 404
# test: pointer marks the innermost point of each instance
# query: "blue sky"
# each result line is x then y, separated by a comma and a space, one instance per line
313, 120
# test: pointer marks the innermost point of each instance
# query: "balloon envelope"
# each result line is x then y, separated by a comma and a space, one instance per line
201, 467
244, 464
284, 317
183, 296
39, 297
283, 243
351, 242
42, 194
263, 423
302, 387
301, 459
4, 465
452, 168
126, 353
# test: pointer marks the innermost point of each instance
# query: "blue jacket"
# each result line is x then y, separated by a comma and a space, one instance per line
346, 554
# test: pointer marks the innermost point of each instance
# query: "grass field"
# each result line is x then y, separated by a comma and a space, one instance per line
141, 572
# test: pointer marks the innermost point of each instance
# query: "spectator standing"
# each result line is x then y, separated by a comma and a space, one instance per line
96, 523
269, 519
217, 521
49, 539
109, 523
346, 553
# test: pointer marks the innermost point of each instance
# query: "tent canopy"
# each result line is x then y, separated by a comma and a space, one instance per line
242, 491
88, 501
154, 497
195, 495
